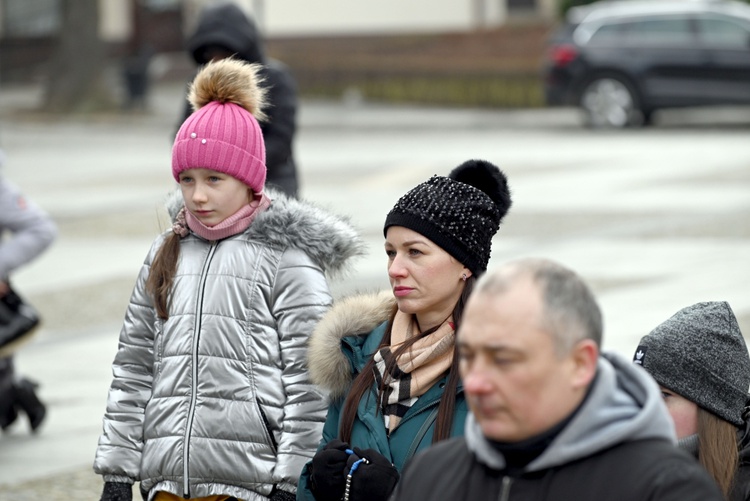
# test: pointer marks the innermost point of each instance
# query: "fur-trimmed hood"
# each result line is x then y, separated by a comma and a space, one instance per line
357, 315
330, 240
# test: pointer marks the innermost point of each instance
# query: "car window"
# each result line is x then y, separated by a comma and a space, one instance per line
669, 31
607, 34
723, 33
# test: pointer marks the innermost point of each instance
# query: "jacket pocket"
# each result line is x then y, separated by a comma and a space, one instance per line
267, 428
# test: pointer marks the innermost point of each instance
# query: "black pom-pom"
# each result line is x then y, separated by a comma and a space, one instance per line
487, 177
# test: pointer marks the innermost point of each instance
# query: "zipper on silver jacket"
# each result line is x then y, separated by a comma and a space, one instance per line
505, 489
194, 390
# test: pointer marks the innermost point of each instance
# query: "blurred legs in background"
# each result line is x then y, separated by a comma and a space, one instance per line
18, 395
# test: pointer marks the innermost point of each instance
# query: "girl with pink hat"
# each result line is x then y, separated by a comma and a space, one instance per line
211, 397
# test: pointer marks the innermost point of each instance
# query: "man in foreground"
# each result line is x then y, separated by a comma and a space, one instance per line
552, 418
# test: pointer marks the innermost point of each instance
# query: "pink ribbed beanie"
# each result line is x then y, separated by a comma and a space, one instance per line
223, 133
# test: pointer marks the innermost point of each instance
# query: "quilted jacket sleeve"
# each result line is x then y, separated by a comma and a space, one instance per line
301, 297
118, 454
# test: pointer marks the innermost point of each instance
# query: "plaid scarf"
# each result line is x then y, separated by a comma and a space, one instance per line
414, 371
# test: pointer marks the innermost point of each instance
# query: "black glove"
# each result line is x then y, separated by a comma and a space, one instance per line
279, 495
117, 491
327, 475
374, 479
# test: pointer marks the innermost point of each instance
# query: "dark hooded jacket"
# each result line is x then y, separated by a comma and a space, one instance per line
618, 446
226, 25
741, 487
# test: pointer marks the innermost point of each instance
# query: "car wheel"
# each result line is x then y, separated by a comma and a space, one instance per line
610, 102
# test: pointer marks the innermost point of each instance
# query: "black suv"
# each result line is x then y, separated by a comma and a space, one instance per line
621, 60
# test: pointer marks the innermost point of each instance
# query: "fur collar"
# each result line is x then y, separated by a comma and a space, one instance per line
330, 240
357, 315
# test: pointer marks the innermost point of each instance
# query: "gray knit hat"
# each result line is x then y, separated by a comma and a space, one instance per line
460, 213
700, 354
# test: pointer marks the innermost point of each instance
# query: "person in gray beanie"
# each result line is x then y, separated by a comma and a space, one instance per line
700, 360
387, 361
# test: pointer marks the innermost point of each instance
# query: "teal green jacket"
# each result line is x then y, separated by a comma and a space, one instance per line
414, 432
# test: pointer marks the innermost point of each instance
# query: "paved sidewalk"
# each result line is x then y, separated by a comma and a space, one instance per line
77, 484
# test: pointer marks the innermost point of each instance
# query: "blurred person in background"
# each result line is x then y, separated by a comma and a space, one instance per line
552, 418
25, 232
388, 361
225, 30
135, 73
211, 398
700, 360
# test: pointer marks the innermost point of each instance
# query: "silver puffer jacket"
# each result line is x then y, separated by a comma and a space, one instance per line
217, 399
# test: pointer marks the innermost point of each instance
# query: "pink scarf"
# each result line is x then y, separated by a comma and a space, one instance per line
234, 224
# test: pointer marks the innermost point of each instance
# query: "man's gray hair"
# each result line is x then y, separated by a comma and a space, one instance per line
571, 312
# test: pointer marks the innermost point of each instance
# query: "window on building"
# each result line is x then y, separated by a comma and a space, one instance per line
31, 18
521, 4
159, 5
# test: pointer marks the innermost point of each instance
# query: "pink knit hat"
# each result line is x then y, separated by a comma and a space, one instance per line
223, 133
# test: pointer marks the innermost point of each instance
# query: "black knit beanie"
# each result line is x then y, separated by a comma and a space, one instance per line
700, 354
460, 213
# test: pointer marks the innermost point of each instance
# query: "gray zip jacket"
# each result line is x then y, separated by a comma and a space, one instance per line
217, 399
31, 229
619, 446
624, 406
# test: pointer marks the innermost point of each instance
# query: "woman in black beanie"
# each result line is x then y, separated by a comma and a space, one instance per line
387, 360
700, 360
